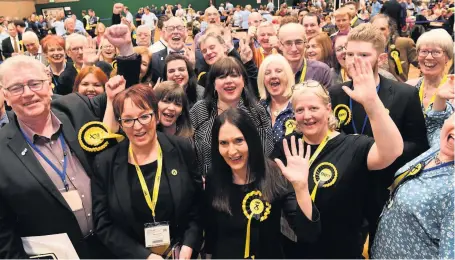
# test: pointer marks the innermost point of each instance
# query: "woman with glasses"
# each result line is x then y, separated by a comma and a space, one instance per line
145, 192
275, 80
227, 87
179, 69
247, 193
90, 82
434, 50
108, 52
340, 163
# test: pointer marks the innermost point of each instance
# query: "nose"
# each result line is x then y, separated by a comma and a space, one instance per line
232, 150
171, 107
294, 47
27, 92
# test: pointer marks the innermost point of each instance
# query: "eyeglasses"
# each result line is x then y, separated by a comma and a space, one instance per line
308, 84
170, 29
340, 48
434, 53
298, 43
76, 49
33, 85
143, 120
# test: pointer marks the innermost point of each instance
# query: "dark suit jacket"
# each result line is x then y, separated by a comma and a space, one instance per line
7, 47
112, 207
403, 104
66, 80
156, 67
30, 204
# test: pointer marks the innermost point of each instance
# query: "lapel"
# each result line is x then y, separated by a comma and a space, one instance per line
71, 139
171, 163
17, 144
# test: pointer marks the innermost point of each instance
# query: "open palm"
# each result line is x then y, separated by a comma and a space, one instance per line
364, 84
297, 169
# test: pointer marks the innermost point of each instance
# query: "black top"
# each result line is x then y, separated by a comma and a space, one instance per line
340, 203
226, 234
164, 205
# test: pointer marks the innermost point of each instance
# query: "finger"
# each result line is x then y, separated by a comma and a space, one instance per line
280, 165
293, 146
287, 153
300, 147
348, 91
357, 66
308, 153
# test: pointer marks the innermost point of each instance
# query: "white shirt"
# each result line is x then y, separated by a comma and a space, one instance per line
149, 20
229, 6
180, 12
59, 28
158, 46
270, 6
129, 17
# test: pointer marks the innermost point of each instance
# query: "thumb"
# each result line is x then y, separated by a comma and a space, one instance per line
348, 91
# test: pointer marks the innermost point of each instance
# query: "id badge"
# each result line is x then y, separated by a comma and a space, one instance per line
157, 235
73, 199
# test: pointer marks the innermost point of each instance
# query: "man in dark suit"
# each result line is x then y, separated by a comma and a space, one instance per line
39, 195
400, 99
12, 44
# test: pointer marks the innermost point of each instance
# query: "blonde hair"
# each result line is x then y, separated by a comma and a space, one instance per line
342, 12
439, 38
97, 27
320, 91
367, 32
213, 35
276, 59
264, 25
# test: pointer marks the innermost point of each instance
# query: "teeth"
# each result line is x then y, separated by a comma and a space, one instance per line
30, 103
139, 135
428, 64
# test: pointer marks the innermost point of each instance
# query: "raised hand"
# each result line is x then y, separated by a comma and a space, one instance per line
227, 37
297, 169
252, 32
447, 91
119, 35
364, 84
118, 8
114, 86
190, 55
246, 54
90, 54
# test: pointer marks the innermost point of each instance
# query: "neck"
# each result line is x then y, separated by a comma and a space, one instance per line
433, 80
267, 51
444, 157
279, 101
316, 138
226, 105
170, 130
240, 176
142, 153
109, 60
78, 65
57, 68
41, 125
296, 65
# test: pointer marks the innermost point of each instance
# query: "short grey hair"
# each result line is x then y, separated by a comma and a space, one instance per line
72, 38
266, 24
437, 37
20, 62
29, 35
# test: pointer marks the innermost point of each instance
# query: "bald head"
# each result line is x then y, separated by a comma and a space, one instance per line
292, 43
212, 16
254, 19
143, 36
295, 29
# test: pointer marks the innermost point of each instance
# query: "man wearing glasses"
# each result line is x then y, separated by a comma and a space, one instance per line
292, 45
45, 175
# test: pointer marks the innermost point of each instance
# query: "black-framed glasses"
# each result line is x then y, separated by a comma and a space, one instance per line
33, 85
179, 28
434, 53
308, 84
297, 43
143, 120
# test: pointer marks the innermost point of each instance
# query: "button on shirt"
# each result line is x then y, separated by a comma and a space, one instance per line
279, 128
76, 176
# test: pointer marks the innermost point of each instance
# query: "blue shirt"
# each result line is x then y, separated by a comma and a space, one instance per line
284, 123
245, 14
418, 222
375, 8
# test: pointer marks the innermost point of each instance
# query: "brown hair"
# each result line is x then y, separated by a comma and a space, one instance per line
140, 94
51, 40
326, 46
97, 72
289, 19
367, 32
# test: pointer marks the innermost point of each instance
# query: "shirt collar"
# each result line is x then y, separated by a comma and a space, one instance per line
4, 120
56, 126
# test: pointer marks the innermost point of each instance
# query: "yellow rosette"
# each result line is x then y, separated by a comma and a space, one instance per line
395, 55
114, 64
253, 206
343, 114
93, 136
289, 126
324, 175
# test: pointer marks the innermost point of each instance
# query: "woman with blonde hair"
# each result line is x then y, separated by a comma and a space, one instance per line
99, 33
275, 81
107, 52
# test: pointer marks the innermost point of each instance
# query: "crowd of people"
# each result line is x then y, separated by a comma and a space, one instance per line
231, 132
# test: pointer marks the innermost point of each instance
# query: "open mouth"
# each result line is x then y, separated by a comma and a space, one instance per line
430, 65
230, 90
236, 159
26, 104
169, 116
140, 134
179, 80
176, 38
309, 123
90, 95
57, 57
275, 83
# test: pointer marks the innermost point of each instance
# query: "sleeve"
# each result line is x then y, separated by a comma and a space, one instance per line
307, 230
130, 69
434, 122
265, 130
362, 145
84, 22
446, 244
326, 78
209, 220
6, 54
116, 19
412, 53
10, 242
110, 235
252, 71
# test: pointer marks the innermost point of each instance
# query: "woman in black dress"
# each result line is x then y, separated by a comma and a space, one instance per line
246, 193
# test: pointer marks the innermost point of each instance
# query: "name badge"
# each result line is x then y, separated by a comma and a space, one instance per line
73, 199
157, 234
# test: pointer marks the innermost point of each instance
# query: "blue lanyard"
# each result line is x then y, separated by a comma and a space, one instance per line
366, 116
61, 173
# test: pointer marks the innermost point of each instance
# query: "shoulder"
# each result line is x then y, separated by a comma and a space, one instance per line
403, 42
336, 90
413, 82
181, 143
314, 64
200, 91
199, 112
399, 87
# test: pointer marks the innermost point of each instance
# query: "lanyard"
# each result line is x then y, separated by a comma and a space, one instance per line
319, 149
366, 116
444, 79
61, 173
78, 70
344, 75
302, 76
151, 202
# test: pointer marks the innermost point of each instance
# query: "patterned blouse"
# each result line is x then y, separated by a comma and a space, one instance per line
418, 221
284, 123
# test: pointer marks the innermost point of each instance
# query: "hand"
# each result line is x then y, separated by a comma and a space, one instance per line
364, 84
185, 252
114, 86
252, 32
298, 168
273, 41
90, 54
153, 256
447, 91
227, 37
246, 54
118, 8
119, 35
190, 55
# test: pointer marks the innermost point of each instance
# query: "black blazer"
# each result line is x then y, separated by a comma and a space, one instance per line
7, 47
112, 207
30, 204
156, 67
403, 104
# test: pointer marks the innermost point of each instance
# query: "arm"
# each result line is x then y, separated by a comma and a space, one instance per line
10, 242
116, 13
446, 246
412, 53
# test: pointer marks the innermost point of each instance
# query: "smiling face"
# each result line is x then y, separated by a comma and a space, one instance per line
311, 114
275, 80
340, 49
169, 112
310, 23
90, 86
31, 105
230, 87
75, 51
292, 42
342, 22
212, 16
108, 50
314, 50
233, 147
430, 65
139, 135
176, 33
263, 36
212, 50
447, 137
365, 51
55, 54
177, 71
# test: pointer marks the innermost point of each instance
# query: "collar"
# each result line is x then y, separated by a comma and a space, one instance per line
4, 120
268, 102
56, 126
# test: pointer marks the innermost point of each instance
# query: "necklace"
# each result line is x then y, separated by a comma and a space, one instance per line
276, 112
437, 160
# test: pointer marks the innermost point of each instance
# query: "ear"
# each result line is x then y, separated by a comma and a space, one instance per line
382, 58
6, 96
